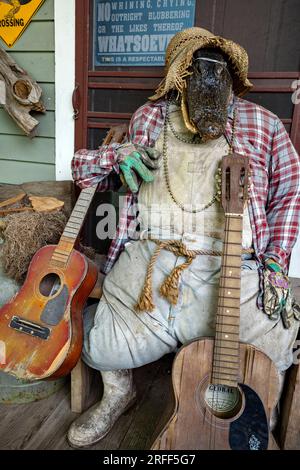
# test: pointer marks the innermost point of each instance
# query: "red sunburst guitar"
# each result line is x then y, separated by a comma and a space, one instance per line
224, 390
41, 327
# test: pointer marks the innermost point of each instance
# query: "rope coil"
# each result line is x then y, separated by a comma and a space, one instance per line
170, 287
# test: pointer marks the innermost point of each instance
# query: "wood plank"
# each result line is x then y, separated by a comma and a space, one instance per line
290, 412
20, 423
62, 190
12, 200
157, 396
289, 430
44, 424
46, 127
40, 64
46, 12
48, 95
81, 387
21, 148
8, 191
5, 212
38, 36
17, 172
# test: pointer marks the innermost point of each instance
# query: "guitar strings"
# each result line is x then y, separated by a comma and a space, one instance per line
220, 309
214, 395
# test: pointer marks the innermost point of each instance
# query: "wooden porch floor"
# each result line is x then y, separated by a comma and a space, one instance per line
43, 425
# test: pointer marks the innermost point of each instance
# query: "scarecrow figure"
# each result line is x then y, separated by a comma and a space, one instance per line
161, 284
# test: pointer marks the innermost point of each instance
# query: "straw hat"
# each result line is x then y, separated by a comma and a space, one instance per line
179, 57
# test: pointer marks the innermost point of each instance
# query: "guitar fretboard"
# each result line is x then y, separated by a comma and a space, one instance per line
226, 350
72, 229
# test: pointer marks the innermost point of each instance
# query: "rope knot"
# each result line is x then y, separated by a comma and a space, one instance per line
170, 287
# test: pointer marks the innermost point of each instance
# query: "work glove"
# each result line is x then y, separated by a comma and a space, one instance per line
136, 160
278, 298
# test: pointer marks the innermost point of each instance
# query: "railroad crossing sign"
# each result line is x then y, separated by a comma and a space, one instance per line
15, 16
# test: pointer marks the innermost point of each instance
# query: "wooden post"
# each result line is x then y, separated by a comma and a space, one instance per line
290, 413
86, 387
81, 378
82, 393
289, 433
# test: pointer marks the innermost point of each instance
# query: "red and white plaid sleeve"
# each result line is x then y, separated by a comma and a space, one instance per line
283, 207
96, 167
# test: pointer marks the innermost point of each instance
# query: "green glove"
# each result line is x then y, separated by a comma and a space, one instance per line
278, 298
135, 160
133, 163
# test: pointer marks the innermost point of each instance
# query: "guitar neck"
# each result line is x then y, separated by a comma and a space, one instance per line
72, 229
226, 350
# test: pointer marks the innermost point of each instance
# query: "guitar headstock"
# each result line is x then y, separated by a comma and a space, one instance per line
235, 177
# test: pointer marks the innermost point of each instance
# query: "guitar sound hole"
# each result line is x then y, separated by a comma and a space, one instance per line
223, 401
50, 285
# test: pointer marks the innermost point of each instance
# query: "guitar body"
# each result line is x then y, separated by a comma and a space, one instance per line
193, 426
41, 327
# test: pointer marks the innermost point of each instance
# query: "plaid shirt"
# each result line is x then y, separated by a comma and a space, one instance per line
274, 204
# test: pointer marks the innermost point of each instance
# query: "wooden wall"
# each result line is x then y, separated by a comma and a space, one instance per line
22, 159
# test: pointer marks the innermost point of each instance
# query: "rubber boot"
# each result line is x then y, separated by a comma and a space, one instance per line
93, 425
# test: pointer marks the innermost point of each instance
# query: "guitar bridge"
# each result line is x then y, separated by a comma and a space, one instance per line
29, 328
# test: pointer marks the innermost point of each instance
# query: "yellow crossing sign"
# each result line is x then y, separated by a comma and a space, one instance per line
15, 16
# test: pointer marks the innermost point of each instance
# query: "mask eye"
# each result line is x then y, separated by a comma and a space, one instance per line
219, 69
198, 67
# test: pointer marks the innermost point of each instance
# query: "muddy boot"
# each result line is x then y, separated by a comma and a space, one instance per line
93, 425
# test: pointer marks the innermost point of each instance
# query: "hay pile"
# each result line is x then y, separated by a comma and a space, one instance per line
9, 287
24, 235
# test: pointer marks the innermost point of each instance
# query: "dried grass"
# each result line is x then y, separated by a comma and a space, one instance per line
24, 235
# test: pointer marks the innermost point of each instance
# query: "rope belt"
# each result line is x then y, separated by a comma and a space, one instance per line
170, 287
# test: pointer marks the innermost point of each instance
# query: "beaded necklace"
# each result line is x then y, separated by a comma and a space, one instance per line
216, 196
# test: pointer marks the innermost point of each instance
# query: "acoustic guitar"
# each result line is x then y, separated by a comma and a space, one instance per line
41, 327
224, 390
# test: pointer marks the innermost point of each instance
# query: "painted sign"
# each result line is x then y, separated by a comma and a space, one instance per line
136, 33
15, 16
